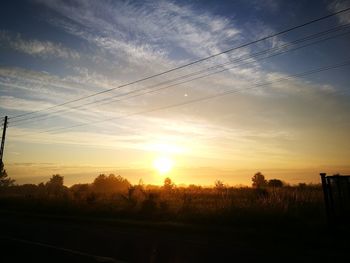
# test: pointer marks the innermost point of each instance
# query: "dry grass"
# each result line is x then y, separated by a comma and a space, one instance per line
225, 205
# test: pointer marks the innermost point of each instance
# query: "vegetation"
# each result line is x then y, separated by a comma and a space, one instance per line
266, 203
275, 183
5, 180
259, 180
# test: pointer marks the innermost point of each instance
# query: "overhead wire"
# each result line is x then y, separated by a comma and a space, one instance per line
269, 52
188, 64
209, 97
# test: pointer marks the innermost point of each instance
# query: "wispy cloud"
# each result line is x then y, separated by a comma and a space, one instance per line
13, 103
147, 33
33, 47
161, 34
200, 139
337, 5
111, 43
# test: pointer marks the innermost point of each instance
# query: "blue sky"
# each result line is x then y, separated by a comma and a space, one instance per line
55, 51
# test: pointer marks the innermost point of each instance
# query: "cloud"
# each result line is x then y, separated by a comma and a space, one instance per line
271, 6
152, 32
128, 41
36, 48
31, 83
166, 35
12, 103
337, 5
162, 34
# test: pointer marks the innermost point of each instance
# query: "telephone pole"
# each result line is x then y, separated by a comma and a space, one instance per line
3, 139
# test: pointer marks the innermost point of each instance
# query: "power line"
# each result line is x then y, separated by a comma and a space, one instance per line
227, 92
183, 82
188, 64
283, 49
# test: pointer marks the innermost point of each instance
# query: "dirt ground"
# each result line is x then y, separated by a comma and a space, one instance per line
45, 238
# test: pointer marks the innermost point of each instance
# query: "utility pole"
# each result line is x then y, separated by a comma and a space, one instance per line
3, 139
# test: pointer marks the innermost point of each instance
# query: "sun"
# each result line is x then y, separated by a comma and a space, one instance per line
163, 164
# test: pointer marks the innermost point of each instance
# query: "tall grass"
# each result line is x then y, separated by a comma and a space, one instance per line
224, 205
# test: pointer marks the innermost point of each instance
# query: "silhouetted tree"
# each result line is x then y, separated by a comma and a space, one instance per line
56, 179
80, 191
168, 184
275, 183
259, 180
110, 184
5, 180
28, 190
55, 185
219, 185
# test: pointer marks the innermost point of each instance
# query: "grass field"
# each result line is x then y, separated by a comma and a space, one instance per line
193, 204
183, 224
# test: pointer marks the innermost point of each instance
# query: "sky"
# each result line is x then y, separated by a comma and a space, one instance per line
285, 111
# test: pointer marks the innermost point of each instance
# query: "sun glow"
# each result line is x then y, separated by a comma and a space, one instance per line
163, 164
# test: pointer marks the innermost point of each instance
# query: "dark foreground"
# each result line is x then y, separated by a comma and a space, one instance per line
44, 238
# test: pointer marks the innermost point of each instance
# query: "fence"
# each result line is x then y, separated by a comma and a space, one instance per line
336, 190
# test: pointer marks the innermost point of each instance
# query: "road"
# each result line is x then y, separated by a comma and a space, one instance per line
38, 238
